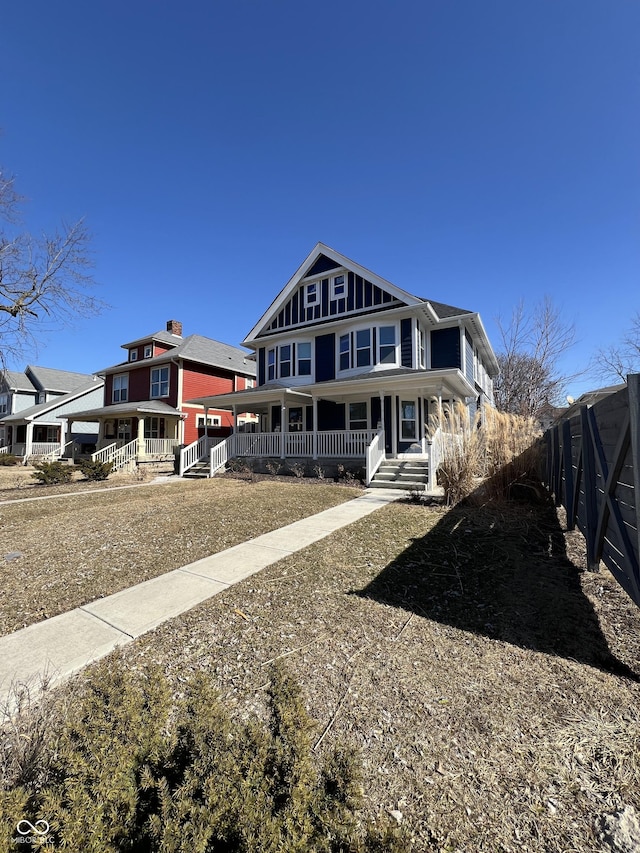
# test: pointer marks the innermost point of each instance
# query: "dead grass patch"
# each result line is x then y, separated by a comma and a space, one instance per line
488, 683
76, 549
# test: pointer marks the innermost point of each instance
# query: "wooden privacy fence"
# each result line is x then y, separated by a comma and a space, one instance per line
593, 470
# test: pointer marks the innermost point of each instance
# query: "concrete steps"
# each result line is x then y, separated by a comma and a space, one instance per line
402, 474
199, 471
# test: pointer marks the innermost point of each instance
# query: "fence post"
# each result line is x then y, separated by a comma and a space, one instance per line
569, 485
555, 474
589, 487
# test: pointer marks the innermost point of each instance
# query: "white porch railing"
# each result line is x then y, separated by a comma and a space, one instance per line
56, 453
196, 452
258, 444
5, 449
123, 456
159, 446
105, 453
375, 455
222, 452
347, 444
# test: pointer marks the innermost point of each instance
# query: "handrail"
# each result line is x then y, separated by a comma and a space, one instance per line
104, 455
123, 456
197, 451
58, 452
375, 456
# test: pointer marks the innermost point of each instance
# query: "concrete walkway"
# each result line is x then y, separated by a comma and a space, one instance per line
64, 644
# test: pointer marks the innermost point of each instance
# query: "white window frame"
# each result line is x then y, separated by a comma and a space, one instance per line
282, 360
357, 349
211, 421
342, 284
308, 358
422, 348
364, 420
346, 352
393, 346
272, 366
133, 355
312, 298
249, 383
413, 420
160, 382
148, 351
4, 404
120, 394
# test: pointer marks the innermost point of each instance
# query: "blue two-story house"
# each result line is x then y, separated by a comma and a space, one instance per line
346, 359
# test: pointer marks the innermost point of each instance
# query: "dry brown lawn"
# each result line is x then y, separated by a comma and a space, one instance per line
488, 681
489, 684
75, 549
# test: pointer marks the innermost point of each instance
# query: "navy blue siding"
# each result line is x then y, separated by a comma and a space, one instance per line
445, 348
351, 291
321, 265
387, 426
325, 357
406, 348
261, 376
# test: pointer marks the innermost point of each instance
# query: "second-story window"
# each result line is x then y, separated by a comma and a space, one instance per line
285, 361
387, 344
363, 347
148, 351
120, 393
271, 365
4, 404
133, 355
337, 287
345, 353
311, 294
304, 359
421, 348
160, 382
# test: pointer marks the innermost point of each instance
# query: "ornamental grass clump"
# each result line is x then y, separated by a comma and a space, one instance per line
458, 444
127, 767
512, 452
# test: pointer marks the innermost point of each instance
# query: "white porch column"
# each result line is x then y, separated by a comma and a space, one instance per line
141, 453
315, 428
283, 416
234, 426
394, 425
206, 421
100, 435
28, 438
64, 430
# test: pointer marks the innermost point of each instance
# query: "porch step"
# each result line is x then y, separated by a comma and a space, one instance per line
402, 474
199, 471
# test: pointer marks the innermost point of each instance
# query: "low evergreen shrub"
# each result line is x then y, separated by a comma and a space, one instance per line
92, 469
52, 473
128, 769
9, 459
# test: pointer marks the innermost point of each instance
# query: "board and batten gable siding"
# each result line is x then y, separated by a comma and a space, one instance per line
406, 342
361, 296
445, 348
325, 357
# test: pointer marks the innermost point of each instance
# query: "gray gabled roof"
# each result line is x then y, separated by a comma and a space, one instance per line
163, 336
13, 380
153, 407
43, 408
201, 350
59, 381
445, 311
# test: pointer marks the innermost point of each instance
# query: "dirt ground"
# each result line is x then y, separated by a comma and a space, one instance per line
489, 683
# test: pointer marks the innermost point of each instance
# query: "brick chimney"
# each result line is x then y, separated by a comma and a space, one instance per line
174, 327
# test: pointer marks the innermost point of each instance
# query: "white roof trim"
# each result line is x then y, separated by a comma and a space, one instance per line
340, 261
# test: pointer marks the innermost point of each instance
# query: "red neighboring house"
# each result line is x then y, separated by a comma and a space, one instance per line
145, 408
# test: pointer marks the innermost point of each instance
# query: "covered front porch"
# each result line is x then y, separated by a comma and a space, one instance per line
134, 433
364, 419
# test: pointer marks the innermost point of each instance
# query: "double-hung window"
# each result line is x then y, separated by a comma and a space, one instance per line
357, 416
120, 393
133, 355
148, 351
363, 347
4, 404
337, 287
345, 352
271, 365
311, 294
285, 361
304, 359
387, 344
160, 382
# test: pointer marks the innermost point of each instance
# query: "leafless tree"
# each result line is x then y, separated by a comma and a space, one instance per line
532, 346
615, 362
44, 282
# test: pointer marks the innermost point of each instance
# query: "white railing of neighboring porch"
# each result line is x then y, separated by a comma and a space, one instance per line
159, 446
5, 449
196, 452
105, 453
375, 455
123, 456
56, 453
222, 452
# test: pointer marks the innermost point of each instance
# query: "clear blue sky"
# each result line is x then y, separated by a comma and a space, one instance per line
471, 151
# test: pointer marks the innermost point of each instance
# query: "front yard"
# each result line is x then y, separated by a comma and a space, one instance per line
489, 684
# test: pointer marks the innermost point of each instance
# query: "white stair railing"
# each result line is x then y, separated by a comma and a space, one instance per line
56, 453
197, 451
221, 453
104, 455
375, 456
124, 456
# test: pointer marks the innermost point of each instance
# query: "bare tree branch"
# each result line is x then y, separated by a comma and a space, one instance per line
45, 282
616, 361
532, 345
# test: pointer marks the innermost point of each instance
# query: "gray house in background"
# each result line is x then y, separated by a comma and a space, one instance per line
34, 407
